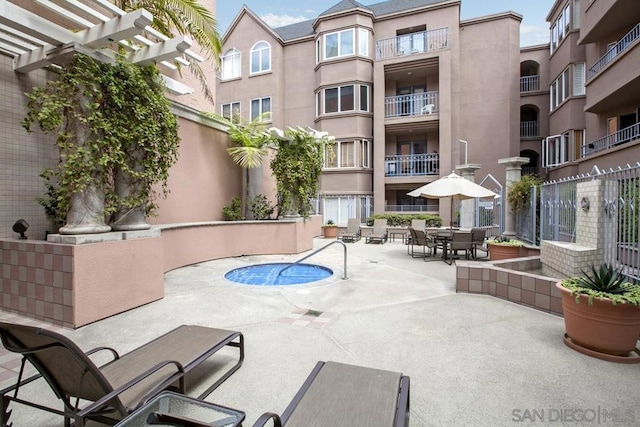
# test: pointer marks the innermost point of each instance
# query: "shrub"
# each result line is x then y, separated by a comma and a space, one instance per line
520, 192
404, 220
604, 282
233, 212
261, 208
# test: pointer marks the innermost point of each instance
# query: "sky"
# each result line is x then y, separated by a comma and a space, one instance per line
276, 13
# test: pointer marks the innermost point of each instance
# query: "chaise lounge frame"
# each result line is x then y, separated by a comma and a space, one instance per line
338, 394
120, 386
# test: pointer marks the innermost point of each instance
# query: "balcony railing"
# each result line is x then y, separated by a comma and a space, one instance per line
529, 129
625, 135
412, 165
615, 50
411, 208
411, 105
410, 44
529, 170
529, 84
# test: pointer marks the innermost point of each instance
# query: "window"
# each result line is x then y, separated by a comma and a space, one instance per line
364, 98
556, 150
261, 107
343, 98
260, 57
576, 14
231, 112
560, 28
318, 51
339, 208
231, 64
341, 154
363, 42
578, 78
338, 44
366, 154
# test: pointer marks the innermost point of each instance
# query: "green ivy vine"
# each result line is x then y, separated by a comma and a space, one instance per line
108, 119
519, 193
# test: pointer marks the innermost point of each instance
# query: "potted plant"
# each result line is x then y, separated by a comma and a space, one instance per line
602, 314
330, 229
503, 247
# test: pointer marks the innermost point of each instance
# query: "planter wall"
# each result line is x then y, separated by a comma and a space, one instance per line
500, 252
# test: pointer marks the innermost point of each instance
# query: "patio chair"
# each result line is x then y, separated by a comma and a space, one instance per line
477, 239
420, 238
460, 241
114, 390
379, 232
337, 394
353, 233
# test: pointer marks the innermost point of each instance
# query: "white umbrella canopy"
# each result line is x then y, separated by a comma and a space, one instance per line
454, 186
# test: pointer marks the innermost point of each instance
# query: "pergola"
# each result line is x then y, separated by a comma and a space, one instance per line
46, 33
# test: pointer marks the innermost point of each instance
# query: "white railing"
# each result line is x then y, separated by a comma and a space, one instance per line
529, 84
615, 50
411, 105
433, 208
412, 165
529, 129
625, 135
410, 44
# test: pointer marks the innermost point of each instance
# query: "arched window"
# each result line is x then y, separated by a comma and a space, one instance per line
231, 64
260, 57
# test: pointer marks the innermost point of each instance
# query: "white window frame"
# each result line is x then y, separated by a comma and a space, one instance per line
338, 148
579, 78
231, 64
339, 51
359, 96
558, 153
343, 209
366, 153
340, 109
363, 42
232, 118
260, 101
559, 90
261, 51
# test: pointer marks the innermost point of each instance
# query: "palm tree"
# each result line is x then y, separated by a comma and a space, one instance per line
186, 17
251, 150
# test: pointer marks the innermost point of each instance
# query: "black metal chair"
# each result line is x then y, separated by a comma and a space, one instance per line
478, 236
420, 238
460, 241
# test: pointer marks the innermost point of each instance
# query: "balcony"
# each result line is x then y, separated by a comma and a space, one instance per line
529, 84
429, 208
529, 129
414, 43
412, 165
622, 136
615, 50
411, 105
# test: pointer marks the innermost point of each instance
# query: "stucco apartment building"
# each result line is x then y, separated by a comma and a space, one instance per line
399, 84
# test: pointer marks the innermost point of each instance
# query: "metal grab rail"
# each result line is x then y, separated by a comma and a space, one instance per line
320, 250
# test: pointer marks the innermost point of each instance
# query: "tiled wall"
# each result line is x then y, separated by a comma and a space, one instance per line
23, 156
511, 280
37, 280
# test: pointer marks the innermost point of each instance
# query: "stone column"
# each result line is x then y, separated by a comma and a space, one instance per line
467, 207
513, 166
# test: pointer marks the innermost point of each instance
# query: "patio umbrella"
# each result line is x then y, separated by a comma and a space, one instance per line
454, 186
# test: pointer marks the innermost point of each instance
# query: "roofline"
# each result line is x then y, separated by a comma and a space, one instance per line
493, 17
435, 6
544, 46
246, 11
343, 13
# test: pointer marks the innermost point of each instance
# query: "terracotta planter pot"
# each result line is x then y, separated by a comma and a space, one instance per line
602, 327
498, 252
330, 232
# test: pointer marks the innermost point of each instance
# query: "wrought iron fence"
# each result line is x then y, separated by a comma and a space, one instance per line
527, 220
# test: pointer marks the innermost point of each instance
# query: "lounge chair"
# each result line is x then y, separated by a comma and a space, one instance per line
337, 394
478, 236
353, 233
420, 238
379, 232
460, 241
118, 387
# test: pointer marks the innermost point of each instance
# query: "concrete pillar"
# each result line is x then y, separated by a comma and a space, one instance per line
513, 166
467, 207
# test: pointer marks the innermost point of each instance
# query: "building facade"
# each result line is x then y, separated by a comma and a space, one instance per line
594, 86
398, 84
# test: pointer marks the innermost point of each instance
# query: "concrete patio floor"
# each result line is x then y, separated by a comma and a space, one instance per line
473, 359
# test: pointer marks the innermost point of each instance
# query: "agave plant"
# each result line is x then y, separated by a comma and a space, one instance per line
605, 279
604, 282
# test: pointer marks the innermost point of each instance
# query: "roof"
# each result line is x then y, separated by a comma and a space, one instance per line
305, 28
